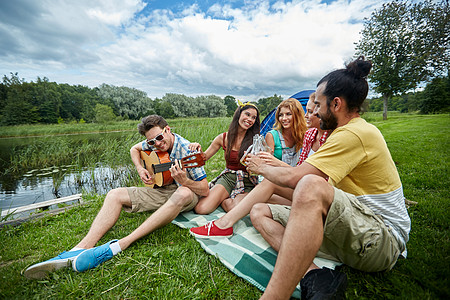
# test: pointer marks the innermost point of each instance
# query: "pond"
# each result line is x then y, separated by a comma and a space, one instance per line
55, 181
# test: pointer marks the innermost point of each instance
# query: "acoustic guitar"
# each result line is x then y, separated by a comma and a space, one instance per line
158, 163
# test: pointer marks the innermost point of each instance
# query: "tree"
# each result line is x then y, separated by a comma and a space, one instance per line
89, 99
130, 103
230, 103
266, 105
47, 98
436, 96
407, 44
182, 105
104, 113
210, 106
166, 110
18, 106
71, 103
49, 102
3, 95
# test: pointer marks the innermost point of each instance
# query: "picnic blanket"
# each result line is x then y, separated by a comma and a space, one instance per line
246, 253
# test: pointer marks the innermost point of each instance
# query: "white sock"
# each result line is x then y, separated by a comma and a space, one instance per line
115, 247
76, 248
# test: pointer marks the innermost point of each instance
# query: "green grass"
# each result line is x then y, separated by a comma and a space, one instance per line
420, 146
128, 125
169, 264
54, 129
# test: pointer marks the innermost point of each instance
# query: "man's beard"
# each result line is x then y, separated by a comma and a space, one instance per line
328, 122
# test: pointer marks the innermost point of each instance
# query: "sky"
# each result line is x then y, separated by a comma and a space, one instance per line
247, 49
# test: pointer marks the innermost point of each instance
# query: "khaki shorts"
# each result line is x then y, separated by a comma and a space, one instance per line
280, 213
353, 234
150, 199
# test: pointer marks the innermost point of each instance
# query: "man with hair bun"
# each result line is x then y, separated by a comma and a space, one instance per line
358, 217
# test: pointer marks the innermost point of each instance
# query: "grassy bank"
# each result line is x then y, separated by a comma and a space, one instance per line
169, 264
64, 149
55, 129
72, 128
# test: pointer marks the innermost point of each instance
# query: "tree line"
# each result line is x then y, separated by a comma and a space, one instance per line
43, 101
434, 98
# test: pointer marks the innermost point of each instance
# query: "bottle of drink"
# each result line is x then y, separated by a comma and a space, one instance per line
250, 149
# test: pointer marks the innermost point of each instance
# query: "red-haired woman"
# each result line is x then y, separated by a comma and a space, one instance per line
287, 136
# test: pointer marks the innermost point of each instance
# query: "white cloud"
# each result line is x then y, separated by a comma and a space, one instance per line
114, 12
280, 48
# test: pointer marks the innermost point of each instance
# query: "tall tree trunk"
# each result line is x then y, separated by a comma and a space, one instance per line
385, 103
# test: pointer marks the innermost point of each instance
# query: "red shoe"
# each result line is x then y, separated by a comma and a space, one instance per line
210, 230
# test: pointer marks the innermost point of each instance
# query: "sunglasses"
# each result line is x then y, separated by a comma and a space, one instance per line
159, 137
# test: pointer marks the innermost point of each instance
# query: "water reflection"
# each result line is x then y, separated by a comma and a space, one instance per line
34, 189
33, 186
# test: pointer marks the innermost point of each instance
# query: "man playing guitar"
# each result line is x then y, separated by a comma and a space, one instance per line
166, 201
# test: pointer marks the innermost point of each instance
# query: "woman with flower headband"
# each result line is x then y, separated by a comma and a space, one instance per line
234, 182
286, 138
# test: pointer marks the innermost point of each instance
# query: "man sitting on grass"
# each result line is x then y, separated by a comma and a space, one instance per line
167, 202
359, 216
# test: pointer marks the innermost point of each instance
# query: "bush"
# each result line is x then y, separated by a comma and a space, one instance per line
104, 114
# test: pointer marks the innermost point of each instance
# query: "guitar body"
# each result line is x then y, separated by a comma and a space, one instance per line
158, 164
151, 158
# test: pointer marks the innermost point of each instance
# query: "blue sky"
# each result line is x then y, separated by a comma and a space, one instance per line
247, 49
203, 5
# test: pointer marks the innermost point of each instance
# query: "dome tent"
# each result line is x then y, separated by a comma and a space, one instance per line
269, 120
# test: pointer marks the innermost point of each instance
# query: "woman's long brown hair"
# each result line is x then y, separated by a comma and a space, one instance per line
233, 130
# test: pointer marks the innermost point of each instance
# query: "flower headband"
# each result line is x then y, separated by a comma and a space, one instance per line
241, 105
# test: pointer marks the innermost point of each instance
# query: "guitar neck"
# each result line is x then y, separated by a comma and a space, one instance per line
163, 167
152, 161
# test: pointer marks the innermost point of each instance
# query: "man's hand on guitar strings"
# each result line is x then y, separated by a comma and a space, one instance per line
146, 177
178, 173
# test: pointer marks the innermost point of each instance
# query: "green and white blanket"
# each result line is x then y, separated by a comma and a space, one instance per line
246, 253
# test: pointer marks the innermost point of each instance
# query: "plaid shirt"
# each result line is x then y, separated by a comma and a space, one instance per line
308, 141
239, 187
180, 150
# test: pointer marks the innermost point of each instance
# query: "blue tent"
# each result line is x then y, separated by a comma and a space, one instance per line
269, 120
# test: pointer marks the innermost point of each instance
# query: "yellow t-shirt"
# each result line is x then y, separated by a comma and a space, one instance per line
357, 160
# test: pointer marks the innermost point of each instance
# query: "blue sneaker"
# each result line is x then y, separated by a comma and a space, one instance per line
41, 270
91, 258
